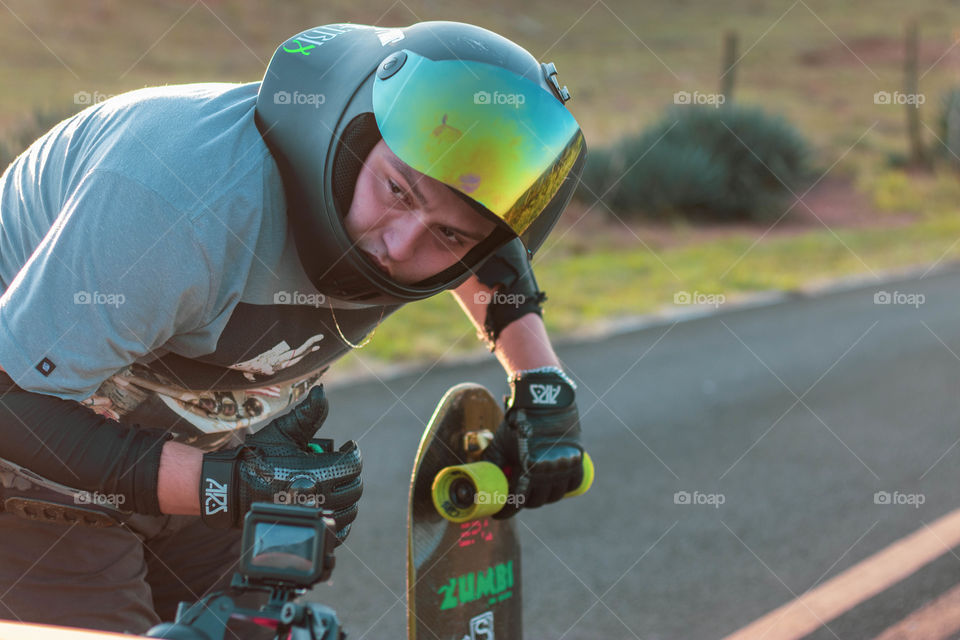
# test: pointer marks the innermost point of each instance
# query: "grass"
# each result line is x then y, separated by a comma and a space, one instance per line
613, 282
622, 60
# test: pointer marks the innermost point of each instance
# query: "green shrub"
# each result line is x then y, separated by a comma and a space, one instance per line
41, 120
701, 162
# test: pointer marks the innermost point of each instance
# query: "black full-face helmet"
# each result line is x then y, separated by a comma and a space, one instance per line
456, 102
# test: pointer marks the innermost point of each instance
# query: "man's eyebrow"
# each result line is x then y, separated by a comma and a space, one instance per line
473, 236
407, 172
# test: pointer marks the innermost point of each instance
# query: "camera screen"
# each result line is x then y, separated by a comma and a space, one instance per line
284, 546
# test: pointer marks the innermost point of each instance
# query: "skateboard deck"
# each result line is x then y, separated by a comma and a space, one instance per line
463, 579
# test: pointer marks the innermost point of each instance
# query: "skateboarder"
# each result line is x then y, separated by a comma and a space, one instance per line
180, 265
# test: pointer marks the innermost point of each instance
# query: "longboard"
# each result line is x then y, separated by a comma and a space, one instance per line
463, 578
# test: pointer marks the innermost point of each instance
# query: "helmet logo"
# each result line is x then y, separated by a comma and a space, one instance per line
305, 50
389, 36
469, 182
443, 127
318, 36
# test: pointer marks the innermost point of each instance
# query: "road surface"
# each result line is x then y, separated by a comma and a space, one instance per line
743, 459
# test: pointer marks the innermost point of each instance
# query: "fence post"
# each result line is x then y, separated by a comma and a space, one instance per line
727, 71
918, 151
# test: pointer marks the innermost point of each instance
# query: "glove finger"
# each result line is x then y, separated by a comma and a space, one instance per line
345, 494
344, 521
327, 468
306, 418
537, 496
351, 453
344, 517
576, 478
556, 493
494, 453
345, 465
508, 511
342, 534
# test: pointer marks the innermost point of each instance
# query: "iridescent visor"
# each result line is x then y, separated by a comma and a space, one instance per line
501, 139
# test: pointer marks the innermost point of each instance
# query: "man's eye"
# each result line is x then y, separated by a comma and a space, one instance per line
451, 235
397, 190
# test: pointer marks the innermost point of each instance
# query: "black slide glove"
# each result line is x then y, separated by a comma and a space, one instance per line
281, 464
538, 444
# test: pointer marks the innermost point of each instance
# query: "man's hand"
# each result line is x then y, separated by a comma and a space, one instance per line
538, 443
280, 464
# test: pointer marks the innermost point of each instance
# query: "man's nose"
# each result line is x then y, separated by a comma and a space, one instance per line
403, 237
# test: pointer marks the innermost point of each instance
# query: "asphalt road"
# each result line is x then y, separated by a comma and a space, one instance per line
781, 423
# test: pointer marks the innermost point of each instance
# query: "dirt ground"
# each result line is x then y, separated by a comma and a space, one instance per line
833, 202
879, 50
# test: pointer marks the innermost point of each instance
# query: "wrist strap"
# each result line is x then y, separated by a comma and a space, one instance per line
217, 500
550, 369
541, 390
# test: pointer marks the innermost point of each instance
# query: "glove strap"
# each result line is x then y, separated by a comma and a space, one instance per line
516, 375
524, 431
539, 390
218, 501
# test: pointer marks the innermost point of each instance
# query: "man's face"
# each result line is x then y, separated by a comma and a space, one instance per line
412, 225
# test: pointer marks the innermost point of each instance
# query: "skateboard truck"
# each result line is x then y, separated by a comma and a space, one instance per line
474, 443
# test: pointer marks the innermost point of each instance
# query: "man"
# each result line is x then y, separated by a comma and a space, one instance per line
180, 265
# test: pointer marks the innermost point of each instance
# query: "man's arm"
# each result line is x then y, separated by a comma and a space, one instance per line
522, 344
539, 441
179, 479
179, 474
68, 443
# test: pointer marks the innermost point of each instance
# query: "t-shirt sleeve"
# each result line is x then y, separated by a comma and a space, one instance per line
119, 272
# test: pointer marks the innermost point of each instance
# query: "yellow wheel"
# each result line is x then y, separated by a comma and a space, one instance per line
479, 489
469, 491
587, 481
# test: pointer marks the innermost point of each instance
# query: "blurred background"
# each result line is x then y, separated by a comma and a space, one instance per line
739, 152
819, 136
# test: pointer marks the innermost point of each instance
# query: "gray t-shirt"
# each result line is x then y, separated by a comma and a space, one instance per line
149, 272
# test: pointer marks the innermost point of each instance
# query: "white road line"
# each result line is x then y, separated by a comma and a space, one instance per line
857, 584
937, 620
